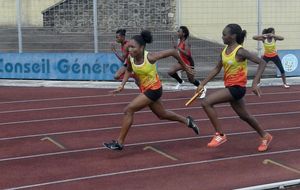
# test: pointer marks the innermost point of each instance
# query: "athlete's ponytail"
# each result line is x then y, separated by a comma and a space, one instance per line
237, 30
242, 37
144, 38
147, 36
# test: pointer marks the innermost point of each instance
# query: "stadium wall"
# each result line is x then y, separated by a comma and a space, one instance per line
31, 12
206, 19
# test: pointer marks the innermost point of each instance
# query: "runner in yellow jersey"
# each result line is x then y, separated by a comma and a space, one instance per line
234, 61
142, 64
269, 39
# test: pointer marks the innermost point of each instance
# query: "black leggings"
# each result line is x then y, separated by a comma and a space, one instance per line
276, 60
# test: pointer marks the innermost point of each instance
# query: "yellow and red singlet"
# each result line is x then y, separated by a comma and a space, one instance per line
235, 73
146, 73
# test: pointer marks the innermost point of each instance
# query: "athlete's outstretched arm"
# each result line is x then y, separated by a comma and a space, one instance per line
259, 37
244, 54
211, 75
125, 78
155, 56
122, 57
276, 37
265, 36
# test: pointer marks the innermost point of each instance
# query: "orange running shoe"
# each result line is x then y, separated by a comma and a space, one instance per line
217, 140
265, 141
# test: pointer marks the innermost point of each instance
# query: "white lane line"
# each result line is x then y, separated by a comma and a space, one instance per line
135, 125
124, 94
122, 103
136, 144
77, 97
168, 166
120, 113
139, 125
79, 106
64, 98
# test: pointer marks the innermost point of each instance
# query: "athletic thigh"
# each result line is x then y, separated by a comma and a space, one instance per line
218, 97
174, 68
138, 103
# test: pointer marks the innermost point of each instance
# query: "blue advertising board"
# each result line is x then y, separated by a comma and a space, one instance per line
61, 66
290, 61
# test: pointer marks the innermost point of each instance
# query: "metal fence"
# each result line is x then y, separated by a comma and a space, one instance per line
90, 25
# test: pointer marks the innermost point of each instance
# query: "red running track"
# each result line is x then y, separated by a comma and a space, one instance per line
81, 119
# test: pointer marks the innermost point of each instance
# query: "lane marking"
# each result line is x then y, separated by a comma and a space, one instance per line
83, 97
269, 161
64, 98
154, 168
129, 145
113, 128
160, 152
110, 128
96, 115
81, 106
122, 103
125, 94
54, 142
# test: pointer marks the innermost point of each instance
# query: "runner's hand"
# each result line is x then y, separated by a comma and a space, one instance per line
265, 36
256, 90
113, 47
199, 88
118, 90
